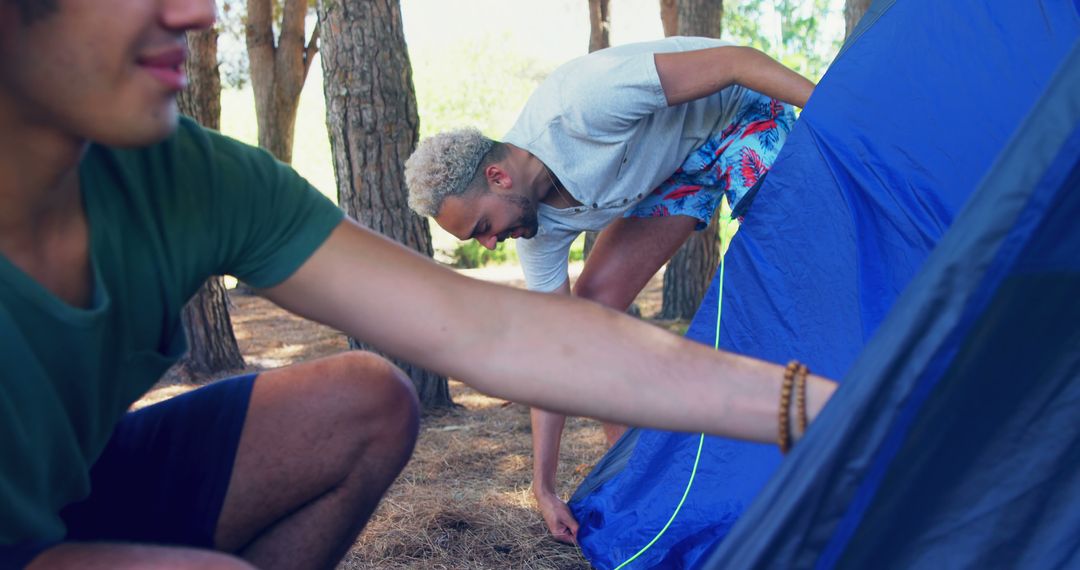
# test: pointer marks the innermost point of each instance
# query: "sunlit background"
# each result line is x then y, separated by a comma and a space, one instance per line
475, 62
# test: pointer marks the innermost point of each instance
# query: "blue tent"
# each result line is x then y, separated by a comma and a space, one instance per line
921, 459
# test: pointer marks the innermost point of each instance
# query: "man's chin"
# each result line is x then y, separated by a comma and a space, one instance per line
141, 131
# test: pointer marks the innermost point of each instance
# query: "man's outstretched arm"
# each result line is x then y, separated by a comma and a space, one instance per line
547, 428
550, 351
690, 75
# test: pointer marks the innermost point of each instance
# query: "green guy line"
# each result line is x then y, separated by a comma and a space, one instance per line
693, 472
723, 230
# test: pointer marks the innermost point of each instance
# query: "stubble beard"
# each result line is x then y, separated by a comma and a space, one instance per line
528, 218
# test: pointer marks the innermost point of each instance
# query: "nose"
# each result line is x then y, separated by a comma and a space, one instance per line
186, 15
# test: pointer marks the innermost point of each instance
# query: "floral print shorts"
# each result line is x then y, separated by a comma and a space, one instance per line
728, 164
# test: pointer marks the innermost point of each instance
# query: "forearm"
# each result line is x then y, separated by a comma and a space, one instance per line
547, 428
763, 74
620, 369
686, 76
550, 351
577, 357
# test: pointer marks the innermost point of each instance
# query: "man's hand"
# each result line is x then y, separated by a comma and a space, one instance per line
560, 522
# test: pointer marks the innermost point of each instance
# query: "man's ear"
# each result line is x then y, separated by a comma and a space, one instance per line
497, 178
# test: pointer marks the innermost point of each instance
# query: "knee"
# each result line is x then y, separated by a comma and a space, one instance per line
132, 555
608, 292
374, 394
588, 288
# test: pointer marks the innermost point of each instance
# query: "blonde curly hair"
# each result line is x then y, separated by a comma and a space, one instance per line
446, 164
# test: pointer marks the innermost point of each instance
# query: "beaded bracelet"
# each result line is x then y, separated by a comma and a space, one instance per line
800, 398
784, 417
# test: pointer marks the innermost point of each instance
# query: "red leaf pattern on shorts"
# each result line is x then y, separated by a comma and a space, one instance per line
751, 166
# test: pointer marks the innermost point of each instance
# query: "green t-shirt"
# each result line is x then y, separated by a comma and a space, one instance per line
162, 220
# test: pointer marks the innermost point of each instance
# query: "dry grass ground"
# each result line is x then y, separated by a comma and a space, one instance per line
463, 501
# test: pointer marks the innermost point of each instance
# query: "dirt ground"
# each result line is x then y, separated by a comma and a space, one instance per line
463, 501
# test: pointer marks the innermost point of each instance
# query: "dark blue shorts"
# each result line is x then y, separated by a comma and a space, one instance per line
163, 475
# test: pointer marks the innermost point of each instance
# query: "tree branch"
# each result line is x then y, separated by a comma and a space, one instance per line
292, 25
312, 48
259, 29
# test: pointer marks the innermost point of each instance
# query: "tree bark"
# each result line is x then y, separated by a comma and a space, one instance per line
669, 17
278, 71
373, 124
690, 270
703, 18
853, 12
212, 347
599, 24
202, 98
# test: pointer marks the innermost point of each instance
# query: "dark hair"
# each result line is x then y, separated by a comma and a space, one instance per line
33, 10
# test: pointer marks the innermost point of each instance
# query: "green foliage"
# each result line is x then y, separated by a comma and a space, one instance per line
470, 254
577, 249
727, 227
742, 24
805, 35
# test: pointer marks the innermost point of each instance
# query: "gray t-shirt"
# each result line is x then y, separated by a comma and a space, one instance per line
602, 124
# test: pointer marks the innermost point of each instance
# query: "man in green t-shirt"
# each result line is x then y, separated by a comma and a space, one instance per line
115, 211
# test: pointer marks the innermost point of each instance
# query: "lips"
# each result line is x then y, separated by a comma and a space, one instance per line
167, 66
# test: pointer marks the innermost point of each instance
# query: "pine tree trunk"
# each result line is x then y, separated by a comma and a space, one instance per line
278, 71
202, 98
702, 18
373, 124
853, 12
212, 347
691, 269
689, 273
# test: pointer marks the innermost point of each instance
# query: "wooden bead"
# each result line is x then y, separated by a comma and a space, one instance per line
784, 417
800, 398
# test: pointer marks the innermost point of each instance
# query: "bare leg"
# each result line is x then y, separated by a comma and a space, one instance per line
321, 443
119, 556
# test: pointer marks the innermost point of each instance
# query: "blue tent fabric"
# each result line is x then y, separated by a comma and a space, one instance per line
954, 442
896, 138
